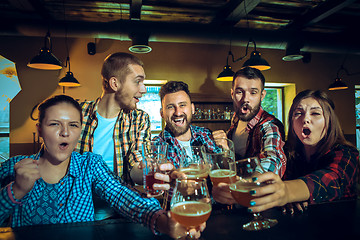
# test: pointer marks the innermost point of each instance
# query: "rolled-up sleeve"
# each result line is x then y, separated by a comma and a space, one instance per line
272, 155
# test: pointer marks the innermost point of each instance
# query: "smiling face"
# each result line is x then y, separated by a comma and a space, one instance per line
132, 88
247, 95
60, 130
309, 122
177, 111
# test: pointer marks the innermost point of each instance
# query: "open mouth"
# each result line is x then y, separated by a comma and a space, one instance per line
179, 121
306, 132
64, 145
245, 108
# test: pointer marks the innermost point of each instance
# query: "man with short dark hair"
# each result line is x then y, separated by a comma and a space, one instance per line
177, 111
254, 131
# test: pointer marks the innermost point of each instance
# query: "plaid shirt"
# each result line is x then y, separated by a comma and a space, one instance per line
131, 130
199, 136
266, 140
74, 202
332, 176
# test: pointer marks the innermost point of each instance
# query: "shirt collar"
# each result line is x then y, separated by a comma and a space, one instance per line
255, 119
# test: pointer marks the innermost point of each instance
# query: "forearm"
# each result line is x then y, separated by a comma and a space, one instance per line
136, 174
7, 203
296, 191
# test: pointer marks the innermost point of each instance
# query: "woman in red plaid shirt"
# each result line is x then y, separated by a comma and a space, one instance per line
322, 165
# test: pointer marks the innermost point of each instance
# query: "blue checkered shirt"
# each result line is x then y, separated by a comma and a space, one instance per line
199, 136
87, 172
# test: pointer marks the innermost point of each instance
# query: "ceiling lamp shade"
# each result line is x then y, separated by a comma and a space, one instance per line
293, 51
45, 60
69, 80
256, 61
140, 43
226, 75
337, 85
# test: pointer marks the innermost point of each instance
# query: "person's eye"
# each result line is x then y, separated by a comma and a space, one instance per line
316, 113
170, 107
254, 92
75, 125
296, 114
53, 124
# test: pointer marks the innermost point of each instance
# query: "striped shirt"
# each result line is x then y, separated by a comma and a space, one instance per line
266, 140
87, 172
131, 130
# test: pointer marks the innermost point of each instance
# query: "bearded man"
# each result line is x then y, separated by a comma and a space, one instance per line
254, 131
177, 111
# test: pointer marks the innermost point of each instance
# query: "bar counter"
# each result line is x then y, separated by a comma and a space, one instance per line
336, 220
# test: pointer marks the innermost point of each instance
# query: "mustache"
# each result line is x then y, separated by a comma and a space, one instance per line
179, 116
246, 105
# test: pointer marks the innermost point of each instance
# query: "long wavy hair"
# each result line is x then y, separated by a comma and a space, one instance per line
333, 132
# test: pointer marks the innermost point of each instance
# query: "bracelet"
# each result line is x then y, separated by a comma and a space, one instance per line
11, 193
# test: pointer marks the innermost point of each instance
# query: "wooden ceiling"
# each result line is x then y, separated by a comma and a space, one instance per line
322, 25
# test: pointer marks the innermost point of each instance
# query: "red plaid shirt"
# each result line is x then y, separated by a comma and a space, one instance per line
265, 140
330, 177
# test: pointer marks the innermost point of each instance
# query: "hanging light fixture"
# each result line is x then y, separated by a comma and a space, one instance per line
45, 60
69, 80
140, 42
227, 74
337, 85
255, 61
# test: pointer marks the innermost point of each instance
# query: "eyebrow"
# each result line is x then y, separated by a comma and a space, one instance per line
312, 108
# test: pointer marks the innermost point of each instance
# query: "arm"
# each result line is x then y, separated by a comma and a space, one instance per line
337, 178
278, 193
272, 156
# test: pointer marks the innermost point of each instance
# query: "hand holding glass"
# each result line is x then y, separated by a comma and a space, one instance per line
190, 204
154, 154
240, 189
221, 158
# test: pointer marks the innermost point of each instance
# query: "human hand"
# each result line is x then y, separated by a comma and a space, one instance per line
273, 194
167, 177
221, 193
26, 173
300, 206
175, 230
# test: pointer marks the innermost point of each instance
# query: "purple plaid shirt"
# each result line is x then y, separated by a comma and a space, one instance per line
199, 136
265, 140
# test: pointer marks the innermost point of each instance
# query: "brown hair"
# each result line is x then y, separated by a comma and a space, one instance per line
173, 87
333, 132
116, 65
55, 100
249, 73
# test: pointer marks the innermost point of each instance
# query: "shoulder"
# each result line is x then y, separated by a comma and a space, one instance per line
343, 150
202, 130
138, 113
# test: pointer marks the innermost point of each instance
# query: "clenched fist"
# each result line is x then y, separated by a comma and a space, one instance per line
26, 173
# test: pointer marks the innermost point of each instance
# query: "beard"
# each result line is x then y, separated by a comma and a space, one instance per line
121, 97
250, 114
176, 130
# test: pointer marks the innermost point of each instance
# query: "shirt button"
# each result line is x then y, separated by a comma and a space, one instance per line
62, 183
60, 204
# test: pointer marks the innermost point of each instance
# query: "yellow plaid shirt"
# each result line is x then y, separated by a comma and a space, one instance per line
131, 128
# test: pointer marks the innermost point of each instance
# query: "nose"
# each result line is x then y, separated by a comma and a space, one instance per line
177, 111
64, 132
142, 88
246, 97
307, 118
